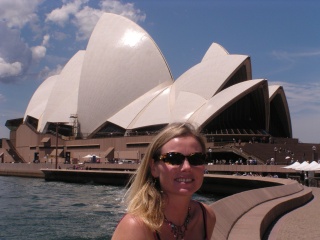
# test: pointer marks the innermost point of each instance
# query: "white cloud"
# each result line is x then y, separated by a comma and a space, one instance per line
9, 69
14, 53
76, 19
302, 97
61, 15
127, 10
291, 56
45, 40
55, 71
304, 108
59, 35
47, 72
38, 52
17, 13
85, 18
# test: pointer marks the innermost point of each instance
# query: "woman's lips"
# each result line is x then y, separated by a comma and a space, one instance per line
184, 180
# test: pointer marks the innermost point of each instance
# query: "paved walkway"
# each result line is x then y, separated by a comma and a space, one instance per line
301, 223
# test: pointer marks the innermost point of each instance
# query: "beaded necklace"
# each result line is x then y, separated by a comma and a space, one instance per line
179, 231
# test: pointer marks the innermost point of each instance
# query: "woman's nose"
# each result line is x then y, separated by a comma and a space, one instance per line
186, 165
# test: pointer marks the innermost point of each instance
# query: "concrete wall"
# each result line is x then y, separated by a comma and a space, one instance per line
27, 142
24, 169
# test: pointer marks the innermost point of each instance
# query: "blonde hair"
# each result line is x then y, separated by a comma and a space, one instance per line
144, 196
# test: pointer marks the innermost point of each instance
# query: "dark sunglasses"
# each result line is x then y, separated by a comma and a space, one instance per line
176, 158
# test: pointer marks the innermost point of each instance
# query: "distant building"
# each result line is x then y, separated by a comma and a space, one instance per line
121, 86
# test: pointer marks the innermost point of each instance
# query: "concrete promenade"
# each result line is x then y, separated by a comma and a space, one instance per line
301, 223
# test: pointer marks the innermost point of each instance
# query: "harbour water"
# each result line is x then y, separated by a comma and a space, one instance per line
32, 208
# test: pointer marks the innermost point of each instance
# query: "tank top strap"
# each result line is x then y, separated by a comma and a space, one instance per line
204, 216
156, 235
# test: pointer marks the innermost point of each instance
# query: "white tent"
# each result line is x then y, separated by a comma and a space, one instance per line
316, 167
301, 166
293, 166
311, 167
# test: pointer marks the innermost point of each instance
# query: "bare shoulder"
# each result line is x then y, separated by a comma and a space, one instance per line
131, 227
210, 211
211, 218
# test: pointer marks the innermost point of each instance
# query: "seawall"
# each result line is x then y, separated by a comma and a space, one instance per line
33, 170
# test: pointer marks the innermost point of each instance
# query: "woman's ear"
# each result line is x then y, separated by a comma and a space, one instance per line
154, 169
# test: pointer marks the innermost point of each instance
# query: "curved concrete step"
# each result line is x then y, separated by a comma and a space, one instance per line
232, 210
253, 224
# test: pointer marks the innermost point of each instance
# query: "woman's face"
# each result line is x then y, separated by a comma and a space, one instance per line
183, 179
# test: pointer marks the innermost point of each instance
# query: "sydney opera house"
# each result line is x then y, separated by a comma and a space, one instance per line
111, 98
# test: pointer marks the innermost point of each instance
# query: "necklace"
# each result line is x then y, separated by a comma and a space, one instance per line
179, 231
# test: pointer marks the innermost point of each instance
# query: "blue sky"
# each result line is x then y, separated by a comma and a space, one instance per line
37, 37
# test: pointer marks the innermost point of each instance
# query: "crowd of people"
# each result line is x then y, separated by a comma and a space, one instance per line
255, 174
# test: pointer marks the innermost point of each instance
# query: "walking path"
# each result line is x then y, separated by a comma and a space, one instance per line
301, 223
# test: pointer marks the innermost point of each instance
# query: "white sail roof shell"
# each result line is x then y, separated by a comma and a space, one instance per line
128, 116
122, 63
208, 77
38, 102
63, 100
222, 100
273, 89
122, 78
185, 96
277, 90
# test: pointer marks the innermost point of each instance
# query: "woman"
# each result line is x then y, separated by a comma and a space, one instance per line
159, 198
